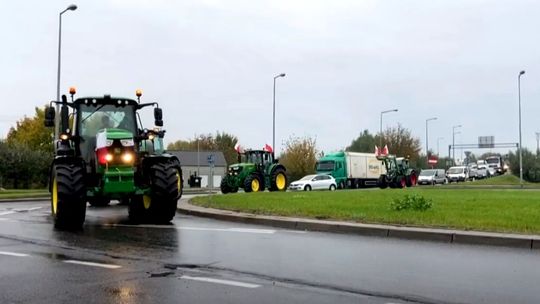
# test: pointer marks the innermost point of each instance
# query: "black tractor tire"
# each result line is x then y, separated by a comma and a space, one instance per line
160, 205
99, 201
68, 196
401, 182
381, 182
253, 183
307, 188
224, 186
278, 180
411, 179
234, 190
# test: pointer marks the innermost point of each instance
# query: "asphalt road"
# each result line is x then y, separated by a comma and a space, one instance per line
197, 260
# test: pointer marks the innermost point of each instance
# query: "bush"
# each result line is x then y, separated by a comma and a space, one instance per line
413, 202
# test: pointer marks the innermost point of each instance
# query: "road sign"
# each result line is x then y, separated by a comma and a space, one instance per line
433, 160
486, 141
210, 158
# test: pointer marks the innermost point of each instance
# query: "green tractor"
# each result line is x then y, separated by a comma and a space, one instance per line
255, 171
398, 173
103, 153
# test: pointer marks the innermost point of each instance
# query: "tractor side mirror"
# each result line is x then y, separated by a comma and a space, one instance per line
158, 117
50, 113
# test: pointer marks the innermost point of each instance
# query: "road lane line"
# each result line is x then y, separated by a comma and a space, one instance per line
6, 212
109, 266
223, 282
13, 254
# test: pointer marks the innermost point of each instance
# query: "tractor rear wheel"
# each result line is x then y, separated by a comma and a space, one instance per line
381, 182
411, 179
68, 202
278, 181
402, 182
159, 206
253, 183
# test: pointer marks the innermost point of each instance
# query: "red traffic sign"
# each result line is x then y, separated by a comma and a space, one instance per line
433, 160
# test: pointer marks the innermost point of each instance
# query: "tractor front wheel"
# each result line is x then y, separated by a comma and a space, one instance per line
411, 180
68, 202
381, 182
224, 186
279, 180
253, 183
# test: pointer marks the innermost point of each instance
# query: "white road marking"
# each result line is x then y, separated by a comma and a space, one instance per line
13, 254
218, 281
241, 230
6, 212
109, 266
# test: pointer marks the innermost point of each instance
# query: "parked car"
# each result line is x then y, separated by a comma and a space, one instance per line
432, 177
314, 182
457, 174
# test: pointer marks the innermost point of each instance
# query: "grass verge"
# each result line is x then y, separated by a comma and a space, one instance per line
11, 194
496, 210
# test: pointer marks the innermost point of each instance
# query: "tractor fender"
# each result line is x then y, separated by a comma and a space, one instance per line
65, 159
278, 166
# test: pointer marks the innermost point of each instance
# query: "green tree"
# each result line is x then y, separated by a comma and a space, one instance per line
299, 157
531, 165
401, 143
365, 142
32, 133
222, 141
225, 143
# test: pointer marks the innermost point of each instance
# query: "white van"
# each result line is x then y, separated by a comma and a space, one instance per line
432, 177
457, 174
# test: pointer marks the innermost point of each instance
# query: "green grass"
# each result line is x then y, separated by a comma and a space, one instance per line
9, 194
507, 179
498, 210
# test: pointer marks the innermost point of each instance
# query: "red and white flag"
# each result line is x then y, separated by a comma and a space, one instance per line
385, 150
268, 148
377, 152
238, 148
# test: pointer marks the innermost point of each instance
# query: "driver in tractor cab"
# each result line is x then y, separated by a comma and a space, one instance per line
106, 122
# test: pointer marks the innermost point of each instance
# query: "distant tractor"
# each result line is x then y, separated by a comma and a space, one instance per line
255, 171
103, 153
398, 173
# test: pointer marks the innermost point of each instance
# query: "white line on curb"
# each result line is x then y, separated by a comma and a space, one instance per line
218, 281
109, 266
13, 254
243, 230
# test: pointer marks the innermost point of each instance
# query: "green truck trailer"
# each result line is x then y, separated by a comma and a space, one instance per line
351, 169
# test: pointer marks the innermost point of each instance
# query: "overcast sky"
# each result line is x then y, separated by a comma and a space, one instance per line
210, 64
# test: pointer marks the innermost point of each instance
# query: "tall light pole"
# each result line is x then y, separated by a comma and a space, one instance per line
537, 143
438, 138
520, 157
72, 7
454, 142
274, 114
381, 135
427, 146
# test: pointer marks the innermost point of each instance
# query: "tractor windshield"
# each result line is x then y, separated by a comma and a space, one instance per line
107, 116
254, 158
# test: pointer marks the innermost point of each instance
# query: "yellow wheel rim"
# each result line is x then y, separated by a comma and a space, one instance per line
280, 181
255, 185
54, 196
147, 201
178, 181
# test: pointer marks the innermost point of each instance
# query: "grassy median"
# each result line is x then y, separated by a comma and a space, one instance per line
510, 210
26, 193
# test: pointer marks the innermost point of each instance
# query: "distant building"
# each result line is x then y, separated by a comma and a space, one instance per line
196, 163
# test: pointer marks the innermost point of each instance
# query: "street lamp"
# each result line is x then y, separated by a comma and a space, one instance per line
383, 112
72, 7
274, 114
427, 146
520, 157
438, 138
454, 142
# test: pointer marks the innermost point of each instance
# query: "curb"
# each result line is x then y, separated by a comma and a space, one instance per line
411, 233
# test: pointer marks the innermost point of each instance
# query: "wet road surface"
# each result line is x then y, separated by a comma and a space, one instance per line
196, 260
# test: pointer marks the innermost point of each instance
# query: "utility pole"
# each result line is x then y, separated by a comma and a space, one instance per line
537, 143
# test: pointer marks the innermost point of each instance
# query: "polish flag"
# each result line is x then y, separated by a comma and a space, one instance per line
377, 152
268, 148
385, 150
238, 148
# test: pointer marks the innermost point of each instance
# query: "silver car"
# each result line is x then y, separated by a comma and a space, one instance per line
432, 177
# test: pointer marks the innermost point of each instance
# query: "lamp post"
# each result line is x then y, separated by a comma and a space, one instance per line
72, 7
427, 146
274, 113
381, 135
454, 142
438, 138
520, 157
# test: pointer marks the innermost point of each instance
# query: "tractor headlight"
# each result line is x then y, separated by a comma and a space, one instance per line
127, 157
109, 157
64, 136
109, 142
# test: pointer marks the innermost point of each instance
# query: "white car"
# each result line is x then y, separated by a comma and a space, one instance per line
314, 182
